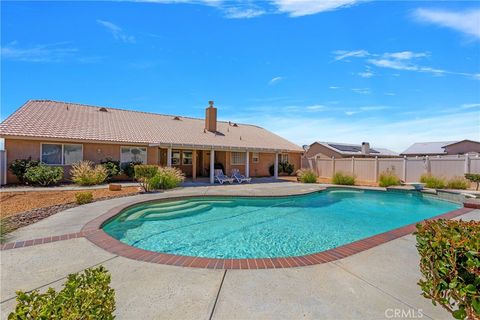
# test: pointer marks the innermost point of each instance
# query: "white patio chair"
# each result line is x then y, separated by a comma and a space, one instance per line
220, 177
240, 177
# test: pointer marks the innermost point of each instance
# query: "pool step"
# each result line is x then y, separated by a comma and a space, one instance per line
172, 209
178, 214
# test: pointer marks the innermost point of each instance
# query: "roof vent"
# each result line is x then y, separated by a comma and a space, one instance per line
176, 118
235, 125
103, 110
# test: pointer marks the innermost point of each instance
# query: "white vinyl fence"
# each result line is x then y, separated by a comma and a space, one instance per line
407, 169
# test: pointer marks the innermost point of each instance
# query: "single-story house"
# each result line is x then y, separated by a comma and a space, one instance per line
442, 148
61, 133
343, 150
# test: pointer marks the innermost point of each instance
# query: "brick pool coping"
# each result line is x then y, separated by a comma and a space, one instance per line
94, 233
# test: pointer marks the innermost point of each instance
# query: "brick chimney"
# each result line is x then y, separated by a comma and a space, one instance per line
211, 118
365, 148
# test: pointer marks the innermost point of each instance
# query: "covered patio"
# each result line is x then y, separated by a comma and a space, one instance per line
202, 161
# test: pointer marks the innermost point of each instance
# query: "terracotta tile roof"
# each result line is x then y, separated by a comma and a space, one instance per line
61, 120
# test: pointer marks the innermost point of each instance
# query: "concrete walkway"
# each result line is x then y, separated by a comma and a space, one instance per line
369, 285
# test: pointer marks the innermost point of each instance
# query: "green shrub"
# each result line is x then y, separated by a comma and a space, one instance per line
85, 173
343, 179
307, 176
450, 265
143, 174
44, 175
83, 197
19, 167
128, 168
283, 167
458, 183
432, 181
166, 178
112, 167
473, 177
388, 178
86, 295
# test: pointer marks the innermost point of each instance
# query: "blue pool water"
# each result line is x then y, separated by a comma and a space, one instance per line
269, 227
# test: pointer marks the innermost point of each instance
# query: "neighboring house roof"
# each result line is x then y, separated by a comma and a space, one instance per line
428, 147
61, 120
356, 149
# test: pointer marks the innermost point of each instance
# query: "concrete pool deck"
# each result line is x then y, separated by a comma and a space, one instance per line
371, 284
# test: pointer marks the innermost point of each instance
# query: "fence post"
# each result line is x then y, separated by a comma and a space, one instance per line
467, 164
427, 165
405, 168
333, 166
353, 166
376, 169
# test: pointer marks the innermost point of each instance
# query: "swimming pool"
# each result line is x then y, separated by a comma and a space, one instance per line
248, 227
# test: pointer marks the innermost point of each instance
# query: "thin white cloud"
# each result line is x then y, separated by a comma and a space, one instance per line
467, 22
342, 54
390, 94
116, 31
402, 60
316, 108
55, 52
276, 80
243, 13
333, 87
298, 8
366, 74
470, 105
362, 90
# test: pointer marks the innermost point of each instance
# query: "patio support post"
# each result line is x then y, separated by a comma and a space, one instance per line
212, 166
194, 164
247, 164
169, 157
275, 166
467, 164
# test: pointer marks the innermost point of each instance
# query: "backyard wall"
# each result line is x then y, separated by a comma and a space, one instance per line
407, 169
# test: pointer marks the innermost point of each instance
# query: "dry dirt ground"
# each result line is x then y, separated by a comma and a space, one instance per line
15, 202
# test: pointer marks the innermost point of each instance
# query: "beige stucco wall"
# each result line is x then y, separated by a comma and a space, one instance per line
463, 147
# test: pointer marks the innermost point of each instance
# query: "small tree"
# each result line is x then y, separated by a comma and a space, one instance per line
473, 177
143, 174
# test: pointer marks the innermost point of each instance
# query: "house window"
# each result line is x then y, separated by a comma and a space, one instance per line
187, 157
238, 158
283, 157
133, 154
255, 157
62, 154
175, 157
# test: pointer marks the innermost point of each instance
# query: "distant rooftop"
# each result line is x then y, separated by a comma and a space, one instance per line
356, 149
437, 147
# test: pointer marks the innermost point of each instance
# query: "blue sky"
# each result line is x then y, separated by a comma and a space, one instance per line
391, 73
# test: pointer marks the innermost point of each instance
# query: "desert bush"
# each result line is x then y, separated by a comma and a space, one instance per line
473, 177
44, 175
283, 167
19, 167
388, 178
450, 265
143, 174
458, 183
307, 176
343, 179
83, 197
432, 181
128, 168
166, 178
112, 167
86, 173
85, 295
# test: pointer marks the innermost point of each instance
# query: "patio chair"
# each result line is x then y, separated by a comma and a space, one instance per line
240, 177
220, 177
